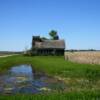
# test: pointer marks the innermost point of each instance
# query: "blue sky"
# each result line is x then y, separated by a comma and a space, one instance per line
77, 21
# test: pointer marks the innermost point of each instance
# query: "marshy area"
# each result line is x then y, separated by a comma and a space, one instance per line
24, 79
52, 77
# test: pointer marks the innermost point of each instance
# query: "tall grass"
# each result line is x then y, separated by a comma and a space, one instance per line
83, 57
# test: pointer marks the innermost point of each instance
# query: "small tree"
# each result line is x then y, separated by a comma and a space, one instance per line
26, 49
54, 35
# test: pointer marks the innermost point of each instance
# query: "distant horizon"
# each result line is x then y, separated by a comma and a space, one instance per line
65, 50
76, 21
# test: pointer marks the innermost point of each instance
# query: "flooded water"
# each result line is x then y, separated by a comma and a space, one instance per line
23, 79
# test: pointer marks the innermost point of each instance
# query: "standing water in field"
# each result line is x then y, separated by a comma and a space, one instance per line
23, 79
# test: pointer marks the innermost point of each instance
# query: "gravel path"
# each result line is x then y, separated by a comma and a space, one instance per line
8, 55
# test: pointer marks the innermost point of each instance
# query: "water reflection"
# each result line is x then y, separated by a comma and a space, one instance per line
21, 79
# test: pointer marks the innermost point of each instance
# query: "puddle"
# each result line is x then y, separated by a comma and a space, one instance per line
23, 79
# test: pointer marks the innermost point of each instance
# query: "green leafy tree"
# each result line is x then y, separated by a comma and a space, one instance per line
54, 35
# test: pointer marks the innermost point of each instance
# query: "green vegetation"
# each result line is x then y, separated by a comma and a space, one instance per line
67, 96
54, 35
54, 65
83, 80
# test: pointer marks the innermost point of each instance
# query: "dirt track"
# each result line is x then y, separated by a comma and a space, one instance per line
8, 55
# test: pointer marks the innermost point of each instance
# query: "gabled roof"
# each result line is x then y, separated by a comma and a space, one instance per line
58, 44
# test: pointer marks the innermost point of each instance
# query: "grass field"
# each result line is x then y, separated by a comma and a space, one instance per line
83, 80
90, 57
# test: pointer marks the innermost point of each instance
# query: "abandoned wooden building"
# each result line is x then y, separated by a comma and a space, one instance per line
47, 47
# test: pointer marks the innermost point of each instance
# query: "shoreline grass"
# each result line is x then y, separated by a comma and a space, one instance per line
66, 96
